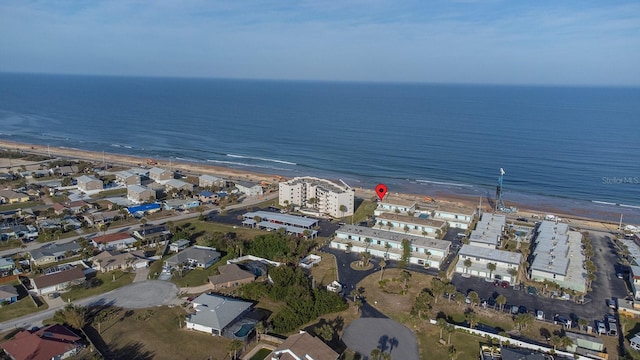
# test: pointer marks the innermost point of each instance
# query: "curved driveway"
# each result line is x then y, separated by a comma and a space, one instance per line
134, 296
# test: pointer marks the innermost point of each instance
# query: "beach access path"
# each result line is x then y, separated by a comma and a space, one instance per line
36, 245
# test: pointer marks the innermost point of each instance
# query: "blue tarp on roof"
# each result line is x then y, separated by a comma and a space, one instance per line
143, 208
206, 193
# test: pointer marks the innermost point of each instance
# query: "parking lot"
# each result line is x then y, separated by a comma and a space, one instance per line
606, 286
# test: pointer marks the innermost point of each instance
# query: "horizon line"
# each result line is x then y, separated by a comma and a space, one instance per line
342, 81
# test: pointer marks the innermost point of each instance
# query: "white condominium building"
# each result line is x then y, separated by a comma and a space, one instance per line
322, 195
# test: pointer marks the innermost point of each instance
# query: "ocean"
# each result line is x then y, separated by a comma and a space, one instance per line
571, 148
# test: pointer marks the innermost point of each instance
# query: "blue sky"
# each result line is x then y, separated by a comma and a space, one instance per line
463, 41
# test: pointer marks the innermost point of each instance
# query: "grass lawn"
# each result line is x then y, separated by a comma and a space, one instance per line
20, 308
107, 284
364, 211
630, 327
109, 193
201, 228
155, 269
23, 205
261, 354
325, 271
155, 333
466, 346
197, 277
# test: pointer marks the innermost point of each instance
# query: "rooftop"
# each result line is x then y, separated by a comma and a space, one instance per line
502, 256
376, 234
322, 183
44, 344
489, 229
137, 189
396, 201
411, 220
284, 219
53, 250
231, 272
61, 277
217, 311
305, 346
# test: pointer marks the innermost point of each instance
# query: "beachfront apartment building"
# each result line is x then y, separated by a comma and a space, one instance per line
324, 196
507, 263
634, 279
557, 256
457, 218
414, 225
388, 245
87, 183
160, 175
395, 205
127, 178
488, 231
140, 194
210, 181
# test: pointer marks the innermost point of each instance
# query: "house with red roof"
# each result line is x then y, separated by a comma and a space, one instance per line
51, 342
117, 241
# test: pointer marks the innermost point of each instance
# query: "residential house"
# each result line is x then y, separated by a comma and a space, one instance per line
488, 231
6, 265
153, 234
635, 342
634, 276
249, 188
179, 245
177, 185
73, 207
160, 175
12, 197
127, 178
231, 275
510, 353
506, 262
181, 204
112, 260
411, 224
64, 170
557, 256
215, 313
50, 342
208, 197
88, 183
425, 251
8, 294
395, 205
303, 346
457, 218
324, 196
141, 210
210, 181
140, 194
116, 241
51, 253
103, 217
55, 281
196, 256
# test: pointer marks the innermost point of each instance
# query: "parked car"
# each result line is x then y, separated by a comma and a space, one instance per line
613, 329
505, 284
600, 328
539, 314
612, 303
562, 320
619, 275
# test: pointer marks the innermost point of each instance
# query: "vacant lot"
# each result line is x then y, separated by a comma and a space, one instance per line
325, 271
155, 333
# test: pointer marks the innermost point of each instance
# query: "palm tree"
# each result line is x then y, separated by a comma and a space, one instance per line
582, 323
565, 342
260, 328
472, 318
501, 300
555, 341
474, 298
450, 289
387, 246
375, 354
234, 346
442, 324
437, 288
368, 241
343, 209
358, 305
467, 265
386, 356
354, 294
404, 276
492, 268
449, 329
383, 264
406, 229
365, 257
389, 225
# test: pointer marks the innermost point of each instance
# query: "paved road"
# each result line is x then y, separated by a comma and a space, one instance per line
134, 296
247, 202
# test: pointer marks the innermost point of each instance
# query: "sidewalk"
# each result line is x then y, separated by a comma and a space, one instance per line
196, 289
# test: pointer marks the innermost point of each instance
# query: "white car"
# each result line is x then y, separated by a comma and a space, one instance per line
600, 328
539, 314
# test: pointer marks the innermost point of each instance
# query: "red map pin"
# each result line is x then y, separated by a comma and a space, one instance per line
381, 190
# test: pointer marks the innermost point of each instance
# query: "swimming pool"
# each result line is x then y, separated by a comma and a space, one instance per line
244, 330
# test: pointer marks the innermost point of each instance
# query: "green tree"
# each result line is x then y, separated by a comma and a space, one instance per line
450, 289
406, 253
474, 298
343, 209
437, 288
375, 354
471, 318
405, 276
491, 267
442, 324
233, 348
383, 264
326, 332
501, 300
422, 305
368, 241
467, 265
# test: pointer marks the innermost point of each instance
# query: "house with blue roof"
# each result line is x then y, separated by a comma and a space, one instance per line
141, 210
208, 197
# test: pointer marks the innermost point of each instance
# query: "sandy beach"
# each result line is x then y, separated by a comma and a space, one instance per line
435, 199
